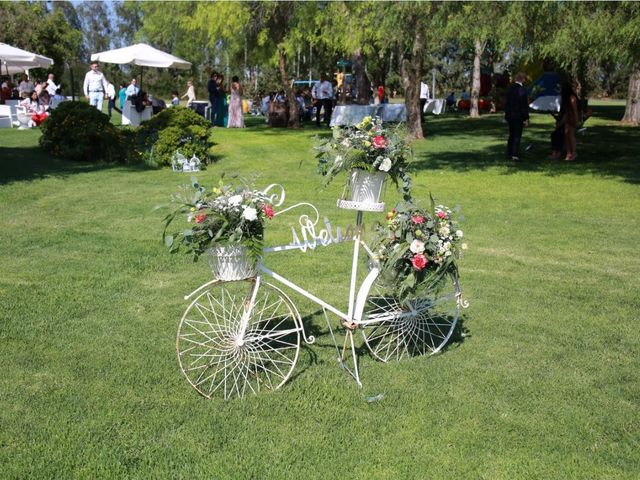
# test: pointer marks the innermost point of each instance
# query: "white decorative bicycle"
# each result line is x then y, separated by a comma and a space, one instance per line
241, 333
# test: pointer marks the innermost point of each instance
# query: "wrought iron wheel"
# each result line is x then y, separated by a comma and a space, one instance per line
229, 346
392, 330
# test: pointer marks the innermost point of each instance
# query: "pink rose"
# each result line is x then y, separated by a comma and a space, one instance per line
200, 218
268, 211
379, 142
441, 214
419, 261
417, 219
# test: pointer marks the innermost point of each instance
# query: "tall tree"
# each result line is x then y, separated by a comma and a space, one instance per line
476, 24
624, 42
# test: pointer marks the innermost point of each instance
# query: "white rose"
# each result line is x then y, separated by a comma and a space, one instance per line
444, 232
459, 233
250, 213
385, 166
417, 246
235, 200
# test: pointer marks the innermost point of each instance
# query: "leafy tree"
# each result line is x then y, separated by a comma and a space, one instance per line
33, 27
476, 25
622, 39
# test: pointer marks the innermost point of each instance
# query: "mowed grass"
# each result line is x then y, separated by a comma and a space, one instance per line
544, 383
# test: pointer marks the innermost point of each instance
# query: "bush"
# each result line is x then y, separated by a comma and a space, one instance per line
176, 129
78, 131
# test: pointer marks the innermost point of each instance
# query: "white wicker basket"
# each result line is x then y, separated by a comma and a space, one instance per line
231, 263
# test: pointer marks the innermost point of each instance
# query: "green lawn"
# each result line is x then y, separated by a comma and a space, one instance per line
543, 385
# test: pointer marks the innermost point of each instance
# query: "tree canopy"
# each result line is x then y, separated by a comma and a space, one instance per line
268, 44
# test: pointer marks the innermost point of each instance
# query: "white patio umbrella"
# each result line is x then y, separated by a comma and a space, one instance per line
142, 55
15, 60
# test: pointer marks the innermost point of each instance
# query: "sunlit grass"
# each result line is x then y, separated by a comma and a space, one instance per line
544, 385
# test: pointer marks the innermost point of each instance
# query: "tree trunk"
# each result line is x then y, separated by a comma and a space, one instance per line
411, 75
632, 109
288, 90
363, 86
475, 83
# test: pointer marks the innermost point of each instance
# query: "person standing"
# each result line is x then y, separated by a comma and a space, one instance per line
322, 94
94, 86
122, 95
190, 94
25, 87
111, 97
51, 85
516, 113
133, 89
236, 119
424, 96
214, 94
222, 109
569, 116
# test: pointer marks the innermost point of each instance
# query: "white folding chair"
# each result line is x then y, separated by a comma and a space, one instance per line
6, 118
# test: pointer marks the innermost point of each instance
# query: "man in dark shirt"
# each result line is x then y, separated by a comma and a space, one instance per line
214, 93
516, 113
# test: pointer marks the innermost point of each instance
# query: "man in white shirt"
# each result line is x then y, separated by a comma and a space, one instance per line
424, 96
322, 95
25, 87
132, 89
94, 86
51, 85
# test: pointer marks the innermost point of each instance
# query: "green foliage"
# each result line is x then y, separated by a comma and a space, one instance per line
78, 131
226, 215
176, 129
542, 385
367, 146
417, 249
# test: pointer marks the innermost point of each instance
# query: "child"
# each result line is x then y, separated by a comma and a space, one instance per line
175, 99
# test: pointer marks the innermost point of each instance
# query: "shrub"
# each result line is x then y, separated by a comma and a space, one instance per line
176, 129
189, 141
78, 131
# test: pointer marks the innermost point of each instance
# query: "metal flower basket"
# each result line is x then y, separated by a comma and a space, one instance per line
231, 262
365, 191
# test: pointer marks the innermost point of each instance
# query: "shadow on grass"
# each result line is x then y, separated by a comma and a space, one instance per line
33, 163
607, 150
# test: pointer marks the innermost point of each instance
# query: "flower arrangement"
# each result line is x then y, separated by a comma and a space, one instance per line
224, 216
367, 146
416, 248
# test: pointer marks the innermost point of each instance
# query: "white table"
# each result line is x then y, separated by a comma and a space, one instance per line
353, 114
130, 116
435, 106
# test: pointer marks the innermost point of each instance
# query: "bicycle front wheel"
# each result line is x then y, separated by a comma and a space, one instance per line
394, 330
230, 347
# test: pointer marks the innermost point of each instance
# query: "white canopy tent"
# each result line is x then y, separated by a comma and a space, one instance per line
15, 60
142, 55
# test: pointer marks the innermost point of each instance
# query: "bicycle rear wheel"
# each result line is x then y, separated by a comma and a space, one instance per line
394, 330
218, 359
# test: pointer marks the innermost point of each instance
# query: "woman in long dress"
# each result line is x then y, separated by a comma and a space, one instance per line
222, 115
236, 119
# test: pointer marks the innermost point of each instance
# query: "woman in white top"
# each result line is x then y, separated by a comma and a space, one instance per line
191, 93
